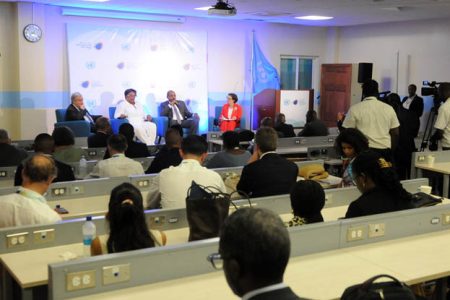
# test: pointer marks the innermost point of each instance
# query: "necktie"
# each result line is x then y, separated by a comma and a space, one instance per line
177, 113
88, 117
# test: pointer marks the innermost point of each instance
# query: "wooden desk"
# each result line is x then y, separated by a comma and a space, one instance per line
320, 276
443, 168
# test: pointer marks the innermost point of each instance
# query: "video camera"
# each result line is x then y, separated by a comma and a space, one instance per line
430, 88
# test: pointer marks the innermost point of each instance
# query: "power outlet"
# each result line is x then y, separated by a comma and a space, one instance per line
59, 192
17, 239
77, 190
446, 219
356, 233
116, 274
43, 236
329, 198
143, 183
92, 153
157, 221
80, 280
377, 230
297, 142
421, 158
3, 173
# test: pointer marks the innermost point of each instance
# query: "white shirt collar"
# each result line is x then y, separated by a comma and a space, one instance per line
264, 154
27, 193
265, 289
118, 155
370, 98
190, 161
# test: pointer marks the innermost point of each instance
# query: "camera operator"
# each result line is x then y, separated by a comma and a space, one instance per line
442, 124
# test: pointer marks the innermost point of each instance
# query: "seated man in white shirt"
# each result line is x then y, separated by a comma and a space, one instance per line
118, 165
144, 129
254, 248
169, 188
28, 206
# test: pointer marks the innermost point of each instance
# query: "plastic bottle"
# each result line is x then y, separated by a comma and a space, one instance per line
83, 166
89, 232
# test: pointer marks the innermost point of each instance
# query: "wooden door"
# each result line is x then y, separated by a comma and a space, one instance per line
335, 91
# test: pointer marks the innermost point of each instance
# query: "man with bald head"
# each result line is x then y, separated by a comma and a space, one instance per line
179, 114
28, 206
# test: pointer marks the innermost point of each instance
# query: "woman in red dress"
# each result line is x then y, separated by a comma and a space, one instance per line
230, 117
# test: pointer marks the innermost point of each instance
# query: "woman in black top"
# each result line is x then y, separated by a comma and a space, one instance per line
378, 182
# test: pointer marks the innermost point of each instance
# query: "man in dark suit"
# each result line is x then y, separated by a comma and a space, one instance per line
9, 155
254, 246
267, 172
169, 155
414, 104
179, 114
44, 144
313, 126
103, 132
76, 111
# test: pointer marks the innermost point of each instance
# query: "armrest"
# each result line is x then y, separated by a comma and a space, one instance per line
115, 124
162, 123
79, 128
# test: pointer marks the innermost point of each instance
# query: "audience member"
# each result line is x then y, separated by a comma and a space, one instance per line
280, 126
118, 165
232, 155
178, 113
307, 201
169, 155
134, 112
414, 104
44, 144
102, 133
169, 188
9, 155
128, 229
231, 115
28, 206
375, 119
442, 124
267, 173
349, 143
76, 111
266, 122
377, 181
313, 126
254, 246
134, 149
65, 149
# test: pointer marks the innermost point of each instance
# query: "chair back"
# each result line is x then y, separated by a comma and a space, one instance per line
60, 114
112, 111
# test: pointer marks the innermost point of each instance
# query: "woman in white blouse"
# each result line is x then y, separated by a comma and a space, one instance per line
144, 129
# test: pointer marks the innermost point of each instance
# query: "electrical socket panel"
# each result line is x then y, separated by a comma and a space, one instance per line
143, 183
421, 158
3, 173
80, 280
17, 239
377, 230
446, 219
43, 236
59, 192
157, 221
77, 190
356, 233
329, 198
116, 274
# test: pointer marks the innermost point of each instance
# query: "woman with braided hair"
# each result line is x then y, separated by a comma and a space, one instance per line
378, 182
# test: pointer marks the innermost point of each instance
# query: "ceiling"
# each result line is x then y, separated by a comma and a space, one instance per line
345, 12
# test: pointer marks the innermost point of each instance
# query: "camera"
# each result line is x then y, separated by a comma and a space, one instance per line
429, 88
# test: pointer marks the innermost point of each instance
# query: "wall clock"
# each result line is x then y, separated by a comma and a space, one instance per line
32, 33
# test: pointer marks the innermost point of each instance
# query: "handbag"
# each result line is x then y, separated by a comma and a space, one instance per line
421, 199
206, 209
369, 290
313, 172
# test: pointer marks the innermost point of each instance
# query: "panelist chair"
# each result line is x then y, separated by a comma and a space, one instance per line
80, 128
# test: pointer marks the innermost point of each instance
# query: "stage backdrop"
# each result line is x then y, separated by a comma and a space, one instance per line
105, 61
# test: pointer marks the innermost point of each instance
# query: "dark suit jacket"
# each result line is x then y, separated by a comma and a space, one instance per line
286, 129
270, 175
415, 107
65, 173
165, 110
164, 158
10, 155
134, 150
281, 294
375, 201
314, 128
98, 140
73, 114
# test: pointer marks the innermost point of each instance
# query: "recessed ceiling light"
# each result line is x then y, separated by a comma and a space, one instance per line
314, 18
203, 8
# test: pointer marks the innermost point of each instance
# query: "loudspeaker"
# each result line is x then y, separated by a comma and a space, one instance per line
364, 72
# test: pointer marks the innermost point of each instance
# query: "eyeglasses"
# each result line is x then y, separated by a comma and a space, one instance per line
216, 260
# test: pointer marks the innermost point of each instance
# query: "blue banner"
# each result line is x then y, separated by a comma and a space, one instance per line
264, 75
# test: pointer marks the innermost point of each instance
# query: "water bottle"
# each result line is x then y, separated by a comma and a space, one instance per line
83, 166
89, 232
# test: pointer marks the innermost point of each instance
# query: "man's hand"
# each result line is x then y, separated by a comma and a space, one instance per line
255, 155
340, 116
122, 116
174, 102
149, 118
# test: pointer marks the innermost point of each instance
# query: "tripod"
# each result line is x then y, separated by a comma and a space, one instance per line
428, 129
